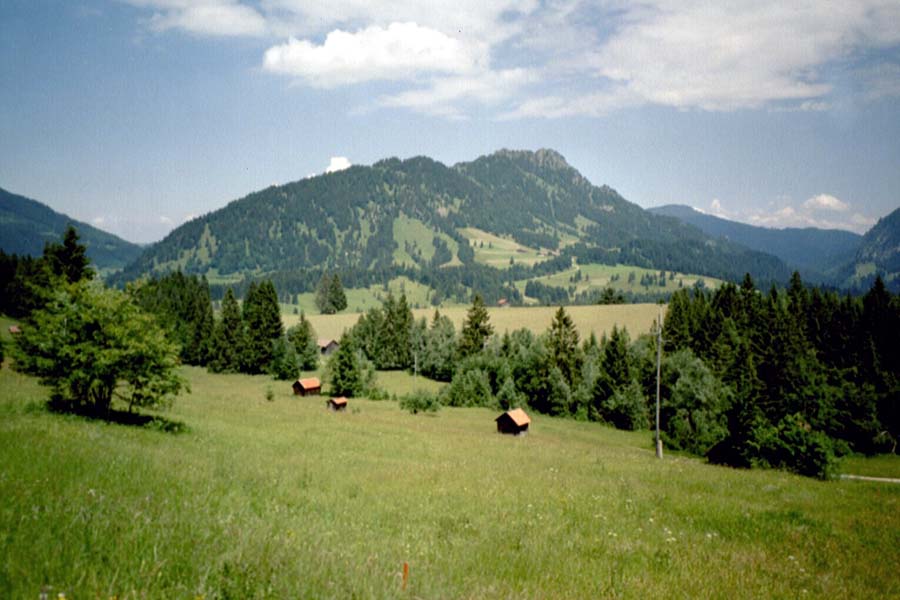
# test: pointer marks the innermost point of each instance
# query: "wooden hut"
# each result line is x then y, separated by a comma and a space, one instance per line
15, 330
514, 422
337, 404
308, 387
327, 346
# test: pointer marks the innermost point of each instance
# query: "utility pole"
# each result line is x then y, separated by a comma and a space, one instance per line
659, 453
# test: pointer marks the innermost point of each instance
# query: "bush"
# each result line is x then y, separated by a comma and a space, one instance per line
470, 387
626, 408
420, 401
795, 446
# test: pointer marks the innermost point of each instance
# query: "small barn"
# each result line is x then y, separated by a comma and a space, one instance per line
514, 422
15, 329
327, 346
503, 303
337, 404
308, 387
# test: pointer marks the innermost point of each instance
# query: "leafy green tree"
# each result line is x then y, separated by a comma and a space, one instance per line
615, 372
476, 328
559, 395
627, 407
439, 356
694, 404
303, 338
228, 337
91, 345
284, 365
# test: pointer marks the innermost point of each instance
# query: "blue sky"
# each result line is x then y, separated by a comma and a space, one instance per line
137, 115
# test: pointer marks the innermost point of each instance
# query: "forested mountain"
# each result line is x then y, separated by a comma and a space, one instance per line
26, 225
415, 217
879, 252
815, 252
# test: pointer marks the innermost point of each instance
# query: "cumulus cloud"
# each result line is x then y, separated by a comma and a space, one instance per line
399, 51
225, 18
338, 163
826, 202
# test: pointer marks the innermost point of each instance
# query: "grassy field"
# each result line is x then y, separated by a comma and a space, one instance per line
496, 251
362, 299
282, 499
637, 318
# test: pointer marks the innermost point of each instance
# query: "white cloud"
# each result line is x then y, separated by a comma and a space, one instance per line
164, 220
826, 202
822, 211
400, 51
98, 221
582, 57
226, 18
337, 163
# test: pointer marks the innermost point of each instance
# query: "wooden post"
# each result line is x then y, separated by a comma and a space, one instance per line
405, 574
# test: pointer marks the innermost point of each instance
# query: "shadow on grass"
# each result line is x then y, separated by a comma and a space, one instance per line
119, 417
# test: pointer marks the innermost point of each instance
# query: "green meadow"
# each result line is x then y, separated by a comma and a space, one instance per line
283, 499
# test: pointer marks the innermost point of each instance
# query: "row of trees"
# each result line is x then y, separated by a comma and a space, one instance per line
785, 379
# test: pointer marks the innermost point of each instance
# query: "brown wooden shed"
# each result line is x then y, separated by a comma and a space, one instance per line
308, 387
337, 404
327, 346
513, 421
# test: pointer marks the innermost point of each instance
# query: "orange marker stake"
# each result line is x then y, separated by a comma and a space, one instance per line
405, 574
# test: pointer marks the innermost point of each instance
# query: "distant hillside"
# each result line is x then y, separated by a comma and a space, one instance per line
815, 252
26, 225
879, 252
432, 223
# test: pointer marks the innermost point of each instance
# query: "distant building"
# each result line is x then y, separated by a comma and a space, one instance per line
15, 329
337, 404
514, 422
308, 387
503, 303
327, 346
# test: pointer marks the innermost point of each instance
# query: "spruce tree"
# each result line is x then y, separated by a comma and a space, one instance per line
336, 296
562, 343
323, 296
68, 260
228, 337
476, 329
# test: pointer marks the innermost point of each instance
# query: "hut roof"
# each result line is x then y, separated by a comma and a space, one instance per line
15, 329
325, 342
309, 383
517, 415
340, 401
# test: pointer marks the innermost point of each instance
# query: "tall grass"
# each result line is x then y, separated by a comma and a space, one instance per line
283, 499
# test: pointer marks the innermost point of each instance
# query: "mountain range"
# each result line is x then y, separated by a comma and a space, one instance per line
26, 225
429, 222
833, 256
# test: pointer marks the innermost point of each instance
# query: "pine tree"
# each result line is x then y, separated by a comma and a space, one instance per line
476, 329
284, 364
68, 260
323, 296
336, 296
562, 342
615, 370
228, 337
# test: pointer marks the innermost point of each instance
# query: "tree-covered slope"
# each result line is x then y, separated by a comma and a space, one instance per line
879, 252
26, 225
813, 251
358, 221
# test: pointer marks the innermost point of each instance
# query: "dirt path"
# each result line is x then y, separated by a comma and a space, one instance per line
867, 478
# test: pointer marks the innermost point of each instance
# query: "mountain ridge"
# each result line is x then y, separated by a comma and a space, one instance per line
27, 224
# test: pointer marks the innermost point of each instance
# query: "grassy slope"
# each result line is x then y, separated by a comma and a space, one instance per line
283, 499
637, 318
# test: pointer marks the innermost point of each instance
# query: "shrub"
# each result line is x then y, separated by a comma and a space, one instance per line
420, 401
795, 446
626, 408
470, 387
